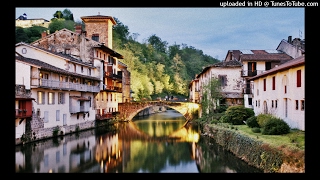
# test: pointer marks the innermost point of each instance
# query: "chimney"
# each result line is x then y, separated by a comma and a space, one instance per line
78, 29
43, 34
290, 39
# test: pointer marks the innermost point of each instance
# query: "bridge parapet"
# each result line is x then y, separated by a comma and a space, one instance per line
129, 109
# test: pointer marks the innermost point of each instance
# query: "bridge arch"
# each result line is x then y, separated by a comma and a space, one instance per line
128, 110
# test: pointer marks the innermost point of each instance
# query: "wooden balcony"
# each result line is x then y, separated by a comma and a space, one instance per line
251, 73
112, 88
113, 76
53, 84
23, 113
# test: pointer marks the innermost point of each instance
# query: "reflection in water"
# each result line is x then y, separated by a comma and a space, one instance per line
158, 143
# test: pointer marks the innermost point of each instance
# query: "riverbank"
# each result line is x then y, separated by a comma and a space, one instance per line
256, 152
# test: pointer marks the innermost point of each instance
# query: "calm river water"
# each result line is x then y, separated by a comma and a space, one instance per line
159, 143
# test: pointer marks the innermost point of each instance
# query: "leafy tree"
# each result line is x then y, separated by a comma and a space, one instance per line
67, 14
30, 34
21, 36
58, 14
211, 96
120, 33
157, 43
58, 24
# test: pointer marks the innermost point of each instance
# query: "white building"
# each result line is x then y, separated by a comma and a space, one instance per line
281, 92
63, 89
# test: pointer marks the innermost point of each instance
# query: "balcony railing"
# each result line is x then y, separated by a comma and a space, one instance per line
113, 76
53, 84
113, 88
22, 113
251, 73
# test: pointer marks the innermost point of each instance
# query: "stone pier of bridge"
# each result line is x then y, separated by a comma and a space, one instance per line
128, 110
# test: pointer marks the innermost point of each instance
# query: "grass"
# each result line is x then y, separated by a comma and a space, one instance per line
295, 139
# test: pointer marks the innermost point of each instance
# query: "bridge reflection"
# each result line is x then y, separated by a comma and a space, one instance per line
184, 134
113, 150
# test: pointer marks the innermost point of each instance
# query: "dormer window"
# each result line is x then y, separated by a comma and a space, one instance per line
95, 37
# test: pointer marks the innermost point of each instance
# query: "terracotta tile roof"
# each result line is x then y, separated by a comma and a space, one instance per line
292, 63
66, 56
263, 55
231, 63
48, 67
260, 55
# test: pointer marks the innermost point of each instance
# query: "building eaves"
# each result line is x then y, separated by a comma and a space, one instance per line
290, 64
87, 19
231, 63
48, 67
110, 51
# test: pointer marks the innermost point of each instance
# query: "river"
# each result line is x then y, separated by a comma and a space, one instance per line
158, 143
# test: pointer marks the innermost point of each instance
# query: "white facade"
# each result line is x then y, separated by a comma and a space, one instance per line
281, 92
229, 74
23, 78
63, 89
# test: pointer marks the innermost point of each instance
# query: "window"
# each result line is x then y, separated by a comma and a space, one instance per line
50, 98
264, 85
95, 37
40, 98
273, 83
82, 69
302, 105
250, 101
89, 71
256, 104
276, 101
285, 89
272, 103
223, 80
67, 51
61, 98
299, 78
297, 104
57, 115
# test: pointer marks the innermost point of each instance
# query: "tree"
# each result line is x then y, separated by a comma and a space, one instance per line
67, 15
58, 14
156, 42
211, 96
58, 24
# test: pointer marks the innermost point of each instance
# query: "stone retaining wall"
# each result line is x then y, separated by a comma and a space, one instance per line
255, 152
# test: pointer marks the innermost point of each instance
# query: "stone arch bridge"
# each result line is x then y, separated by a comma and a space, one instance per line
128, 110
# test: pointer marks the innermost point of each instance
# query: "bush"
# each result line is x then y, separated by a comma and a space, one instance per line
252, 122
256, 130
275, 126
236, 115
262, 119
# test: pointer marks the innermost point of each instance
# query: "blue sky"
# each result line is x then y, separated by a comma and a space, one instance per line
212, 30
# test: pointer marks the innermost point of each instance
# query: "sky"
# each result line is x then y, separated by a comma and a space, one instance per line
214, 30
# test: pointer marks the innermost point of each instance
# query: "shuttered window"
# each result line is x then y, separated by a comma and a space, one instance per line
299, 78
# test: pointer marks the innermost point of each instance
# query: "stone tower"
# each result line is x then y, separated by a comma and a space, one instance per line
99, 28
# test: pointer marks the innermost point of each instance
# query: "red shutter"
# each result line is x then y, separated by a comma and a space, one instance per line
299, 78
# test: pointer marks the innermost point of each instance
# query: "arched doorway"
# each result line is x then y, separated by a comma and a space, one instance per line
265, 107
